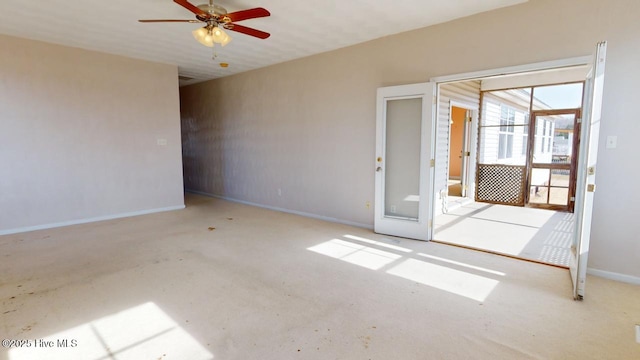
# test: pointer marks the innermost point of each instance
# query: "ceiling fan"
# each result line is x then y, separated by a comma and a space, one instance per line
216, 18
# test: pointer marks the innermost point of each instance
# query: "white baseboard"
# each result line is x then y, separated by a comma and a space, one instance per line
614, 276
89, 220
288, 211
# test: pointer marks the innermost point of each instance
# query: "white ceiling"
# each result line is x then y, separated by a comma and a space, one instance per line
298, 28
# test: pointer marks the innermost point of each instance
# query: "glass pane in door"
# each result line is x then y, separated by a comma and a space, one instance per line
402, 155
550, 177
563, 134
558, 196
539, 191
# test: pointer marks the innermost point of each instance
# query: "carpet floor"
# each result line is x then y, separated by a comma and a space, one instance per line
221, 280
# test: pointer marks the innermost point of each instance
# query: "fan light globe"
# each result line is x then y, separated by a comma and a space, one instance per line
219, 36
226, 40
209, 35
203, 37
199, 33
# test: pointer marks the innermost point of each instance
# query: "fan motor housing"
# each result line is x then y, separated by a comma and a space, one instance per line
213, 9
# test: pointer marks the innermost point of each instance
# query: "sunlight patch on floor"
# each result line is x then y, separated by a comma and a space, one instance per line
463, 264
441, 277
378, 243
141, 332
355, 254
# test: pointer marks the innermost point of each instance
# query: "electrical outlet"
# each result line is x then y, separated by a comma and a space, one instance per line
279, 192
393, 209
638, 334
162, 142
612, 142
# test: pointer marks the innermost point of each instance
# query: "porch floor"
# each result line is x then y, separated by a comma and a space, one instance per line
528, 233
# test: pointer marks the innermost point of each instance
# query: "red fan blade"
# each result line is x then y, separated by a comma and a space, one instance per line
248, 14
155, 21
189, 6
249, 31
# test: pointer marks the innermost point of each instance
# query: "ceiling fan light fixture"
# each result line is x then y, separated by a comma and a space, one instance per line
216, 18
216, 32
219, 36
208, 41
199, 33
203, 36
211, 34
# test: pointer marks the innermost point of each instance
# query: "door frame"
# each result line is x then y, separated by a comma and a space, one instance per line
469, 143
422, 227
513, 70
588, 148
592, 117
509, 70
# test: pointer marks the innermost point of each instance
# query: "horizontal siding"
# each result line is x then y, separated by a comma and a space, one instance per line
504, 97
467, 92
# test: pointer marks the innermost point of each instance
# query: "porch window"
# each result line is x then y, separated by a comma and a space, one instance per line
505, 142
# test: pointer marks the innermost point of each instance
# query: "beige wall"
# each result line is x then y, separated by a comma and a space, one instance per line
307, 127
78, 135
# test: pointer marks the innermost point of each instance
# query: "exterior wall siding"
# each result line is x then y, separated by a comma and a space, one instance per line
467, 92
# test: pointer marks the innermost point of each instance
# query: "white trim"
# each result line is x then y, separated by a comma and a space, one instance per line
614, 276
288, 211
546, 65
89, 220
463, 105
467, 139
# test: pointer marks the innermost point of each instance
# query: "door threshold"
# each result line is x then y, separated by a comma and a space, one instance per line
500, 254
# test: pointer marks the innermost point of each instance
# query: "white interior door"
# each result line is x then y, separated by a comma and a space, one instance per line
403, 175
585, 186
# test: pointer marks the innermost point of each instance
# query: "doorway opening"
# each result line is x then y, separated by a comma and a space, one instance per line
521, 178
432, 167
460, 124
457, 149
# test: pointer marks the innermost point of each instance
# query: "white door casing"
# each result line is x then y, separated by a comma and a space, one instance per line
404, 150
585, 185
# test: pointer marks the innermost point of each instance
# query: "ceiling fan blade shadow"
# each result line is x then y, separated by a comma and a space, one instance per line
248, 14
